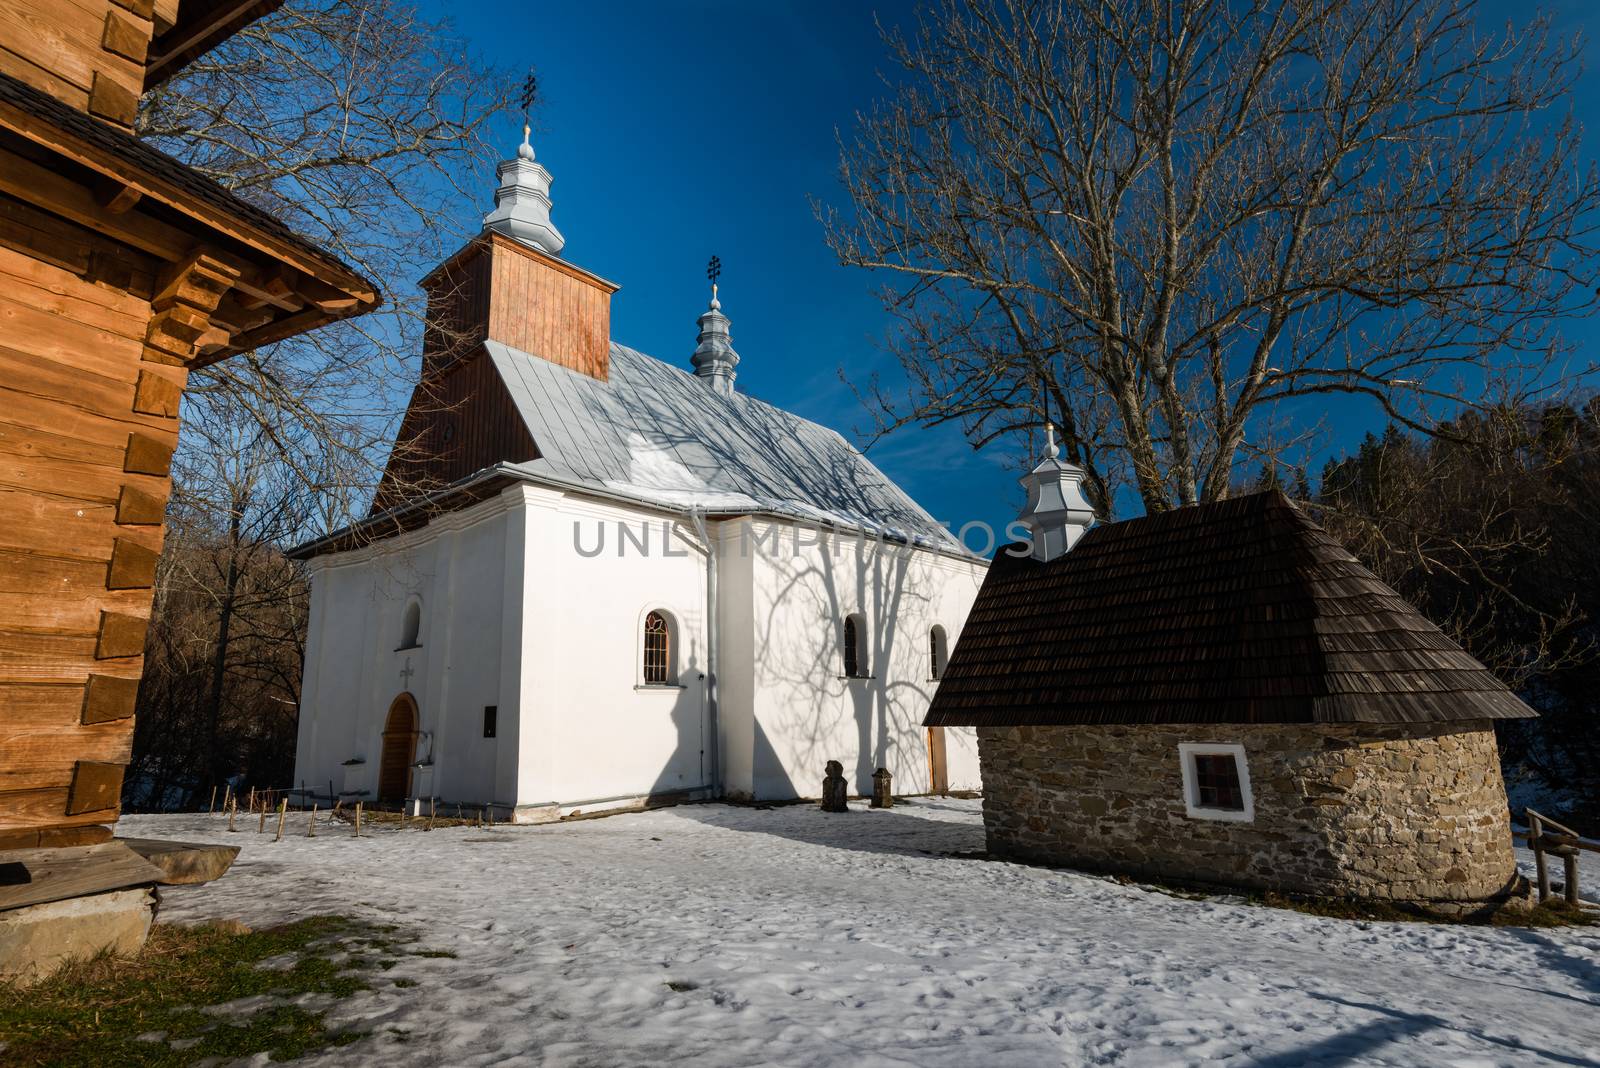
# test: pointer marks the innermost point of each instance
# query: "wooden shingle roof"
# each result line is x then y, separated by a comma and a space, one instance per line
1242, 611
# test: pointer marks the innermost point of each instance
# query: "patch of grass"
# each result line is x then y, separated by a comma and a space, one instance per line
1553, 913
93, 1012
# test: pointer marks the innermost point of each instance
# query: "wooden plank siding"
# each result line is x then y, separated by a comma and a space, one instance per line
89, 54
76, 567
460, 421
121, 269
461, 418
549, 308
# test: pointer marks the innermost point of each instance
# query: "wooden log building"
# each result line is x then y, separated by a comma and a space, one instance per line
121, 270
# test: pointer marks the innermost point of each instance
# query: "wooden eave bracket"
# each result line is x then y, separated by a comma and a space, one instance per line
187, 295
298, 279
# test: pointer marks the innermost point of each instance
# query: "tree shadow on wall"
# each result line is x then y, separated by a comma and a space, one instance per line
668, 432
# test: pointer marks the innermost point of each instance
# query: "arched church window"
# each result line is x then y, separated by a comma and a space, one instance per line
855, 664
411, 626
937, 653
657, 650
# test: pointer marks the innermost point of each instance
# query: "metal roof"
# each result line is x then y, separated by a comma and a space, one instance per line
661, 435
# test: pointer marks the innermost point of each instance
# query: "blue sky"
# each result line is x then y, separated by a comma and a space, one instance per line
678, 130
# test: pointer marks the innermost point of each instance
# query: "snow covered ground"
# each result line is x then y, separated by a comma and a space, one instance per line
715, 935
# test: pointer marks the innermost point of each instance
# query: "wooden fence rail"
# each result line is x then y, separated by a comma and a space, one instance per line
1546, 836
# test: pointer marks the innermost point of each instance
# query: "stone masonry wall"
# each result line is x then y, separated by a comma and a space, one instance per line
1403, 812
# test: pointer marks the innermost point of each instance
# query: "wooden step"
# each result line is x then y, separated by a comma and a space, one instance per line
37, 876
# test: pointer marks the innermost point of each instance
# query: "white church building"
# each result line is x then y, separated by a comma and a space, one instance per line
593, 579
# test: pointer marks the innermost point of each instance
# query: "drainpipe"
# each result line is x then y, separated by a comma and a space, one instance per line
709, 691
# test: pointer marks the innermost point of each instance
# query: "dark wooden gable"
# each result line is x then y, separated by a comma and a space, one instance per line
1243, 611
461, 419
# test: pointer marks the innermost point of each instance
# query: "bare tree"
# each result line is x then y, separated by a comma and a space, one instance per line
227, 641
1491, 532
1172, 225
362, 125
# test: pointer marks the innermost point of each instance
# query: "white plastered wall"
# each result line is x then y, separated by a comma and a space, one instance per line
596, 733
525, 608
804, 713
455, 568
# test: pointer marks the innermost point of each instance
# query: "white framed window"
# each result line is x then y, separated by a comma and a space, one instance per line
657, 649
411, 626
1216, 782
855, 658
938, 652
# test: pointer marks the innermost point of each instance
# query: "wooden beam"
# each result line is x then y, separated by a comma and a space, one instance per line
147, 454
133, 566
107, 698
96, 787
112, 101
29, 182
187, 293
193, 34
125, 36
115, 197
120, 636
277, 331
106, 161
157, 395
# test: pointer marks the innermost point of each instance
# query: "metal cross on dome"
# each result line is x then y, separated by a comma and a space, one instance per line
714, 269
530, 91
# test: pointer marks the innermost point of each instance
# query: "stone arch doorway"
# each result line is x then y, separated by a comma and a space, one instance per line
399, 749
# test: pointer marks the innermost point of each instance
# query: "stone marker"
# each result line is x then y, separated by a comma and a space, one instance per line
882, 797
834, 790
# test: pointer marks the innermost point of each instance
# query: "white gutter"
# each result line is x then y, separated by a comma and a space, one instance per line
545, 478
713, 713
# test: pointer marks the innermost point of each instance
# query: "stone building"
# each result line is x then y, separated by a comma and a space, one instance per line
1222, 694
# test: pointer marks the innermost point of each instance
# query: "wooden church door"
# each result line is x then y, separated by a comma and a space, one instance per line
399, 749
938, 773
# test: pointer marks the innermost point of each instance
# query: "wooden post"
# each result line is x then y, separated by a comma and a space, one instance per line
252, 799
261, 828
1569, 863
212, 805
311, 827
283, 812
358, 819
431, 810
1535, 843
233, 810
